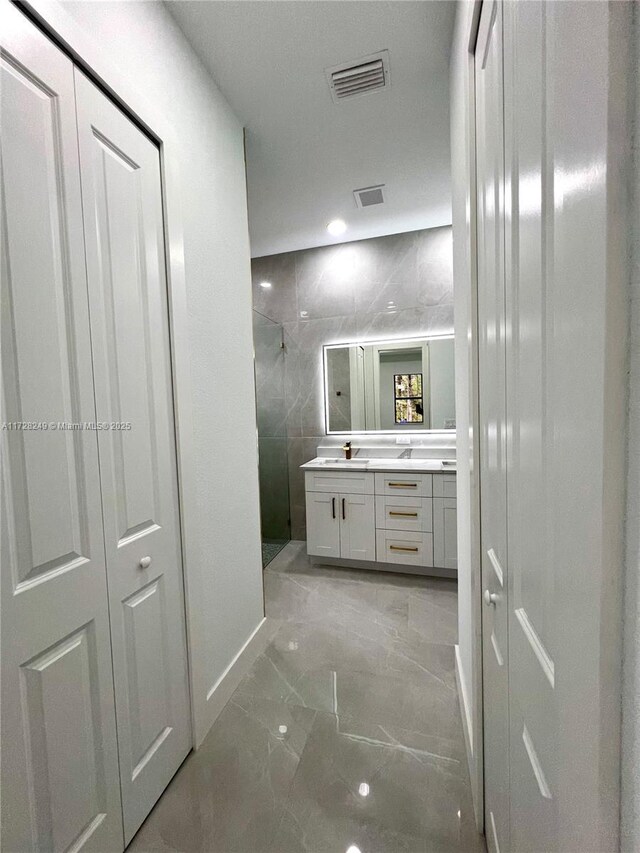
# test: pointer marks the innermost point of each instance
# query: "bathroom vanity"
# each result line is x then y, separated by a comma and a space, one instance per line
386, 508
387, 514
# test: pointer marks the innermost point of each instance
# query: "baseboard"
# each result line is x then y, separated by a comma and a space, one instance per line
220, 693
467, 729
393, 568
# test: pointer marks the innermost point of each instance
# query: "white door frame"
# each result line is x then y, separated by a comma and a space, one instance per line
95, 61
472, 706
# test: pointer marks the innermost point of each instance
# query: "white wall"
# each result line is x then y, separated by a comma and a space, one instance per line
467, 653
147, 51
631, 673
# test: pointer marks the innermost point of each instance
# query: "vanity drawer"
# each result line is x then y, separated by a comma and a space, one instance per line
405, 485
404, 547
344, 482
444, 485
398, 513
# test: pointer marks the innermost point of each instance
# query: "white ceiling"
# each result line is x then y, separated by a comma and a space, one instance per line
305, 153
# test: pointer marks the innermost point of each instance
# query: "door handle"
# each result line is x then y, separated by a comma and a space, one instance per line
333, 507
344, 511
145, 562
490, 598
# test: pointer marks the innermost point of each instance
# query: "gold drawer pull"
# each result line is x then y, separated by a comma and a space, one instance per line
399, 548
403, 485
404, 514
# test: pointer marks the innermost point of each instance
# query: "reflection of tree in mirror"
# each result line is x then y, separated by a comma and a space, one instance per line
408, 398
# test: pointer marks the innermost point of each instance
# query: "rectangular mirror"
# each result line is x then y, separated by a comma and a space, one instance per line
390, 386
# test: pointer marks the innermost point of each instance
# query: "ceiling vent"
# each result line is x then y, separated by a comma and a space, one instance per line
368, 196
369, 74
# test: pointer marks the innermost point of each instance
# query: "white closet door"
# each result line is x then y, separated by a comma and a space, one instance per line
60, 787
565, 372
492, 396
532, 411
121, 193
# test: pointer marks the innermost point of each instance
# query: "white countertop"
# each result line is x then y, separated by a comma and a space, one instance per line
419, 466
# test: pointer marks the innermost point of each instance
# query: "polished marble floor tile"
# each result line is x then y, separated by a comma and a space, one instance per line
344, 737
356, 792
230, 795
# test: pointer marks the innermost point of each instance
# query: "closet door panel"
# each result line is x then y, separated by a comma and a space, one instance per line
59, 756
565, 370
530, 386
130, 337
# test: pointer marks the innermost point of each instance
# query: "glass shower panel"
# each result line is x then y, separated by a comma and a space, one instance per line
272, 436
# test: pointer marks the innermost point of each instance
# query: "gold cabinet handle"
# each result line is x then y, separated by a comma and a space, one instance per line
399, 548
403, 485
403, 514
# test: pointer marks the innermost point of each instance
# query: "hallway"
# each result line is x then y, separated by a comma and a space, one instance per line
344, 737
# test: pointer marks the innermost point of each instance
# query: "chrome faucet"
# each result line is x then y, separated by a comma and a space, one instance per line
347, 449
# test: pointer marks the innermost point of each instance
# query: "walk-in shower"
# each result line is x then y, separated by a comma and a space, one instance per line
272, 435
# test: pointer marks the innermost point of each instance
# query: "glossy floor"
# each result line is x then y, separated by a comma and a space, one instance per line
345, 737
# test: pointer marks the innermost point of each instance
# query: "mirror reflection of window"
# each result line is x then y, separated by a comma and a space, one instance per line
401, 375
408, 398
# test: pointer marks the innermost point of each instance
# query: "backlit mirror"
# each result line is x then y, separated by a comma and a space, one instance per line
390, 386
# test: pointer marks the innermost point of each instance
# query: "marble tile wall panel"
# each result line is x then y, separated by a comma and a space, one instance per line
272, 428
279, 301
398, 285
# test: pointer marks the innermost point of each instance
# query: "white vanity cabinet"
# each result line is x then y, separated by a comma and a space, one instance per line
394, 519
404, 519
341, 515
445, 521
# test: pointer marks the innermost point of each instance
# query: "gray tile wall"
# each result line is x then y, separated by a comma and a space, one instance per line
272, 434
387, 286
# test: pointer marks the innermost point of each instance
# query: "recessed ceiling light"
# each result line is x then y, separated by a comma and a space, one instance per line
265, 284
337, 227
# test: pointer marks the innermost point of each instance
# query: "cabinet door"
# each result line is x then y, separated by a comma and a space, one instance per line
323, 526
444, 485
445, 533
121, 193
357, 527
60, 787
